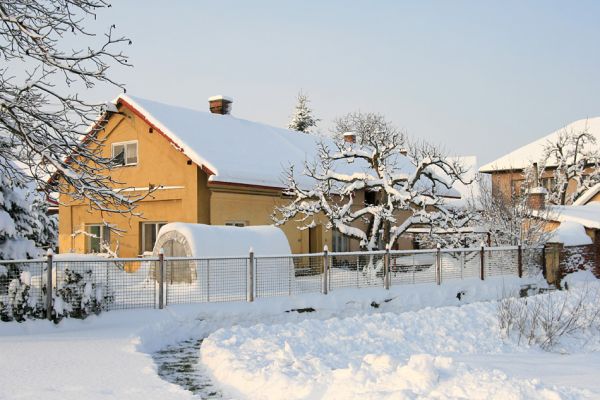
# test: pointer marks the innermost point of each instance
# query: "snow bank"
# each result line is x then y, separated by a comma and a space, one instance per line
570, 234
379, 356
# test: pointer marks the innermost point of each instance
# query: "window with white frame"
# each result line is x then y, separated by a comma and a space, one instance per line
96, 235
125, 153
149, 235
239, 224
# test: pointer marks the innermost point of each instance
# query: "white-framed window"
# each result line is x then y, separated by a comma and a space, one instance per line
239, 224
96, 235
125, 153
341, 243
149, 235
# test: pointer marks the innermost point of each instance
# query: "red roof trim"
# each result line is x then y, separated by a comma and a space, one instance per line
137, 112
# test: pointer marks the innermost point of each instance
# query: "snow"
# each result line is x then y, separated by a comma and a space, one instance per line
448, 352
220, 97
587, 195
228, 241
587, 215
533, 152
570, 234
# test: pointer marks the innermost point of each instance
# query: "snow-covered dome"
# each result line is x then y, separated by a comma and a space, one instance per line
200, 241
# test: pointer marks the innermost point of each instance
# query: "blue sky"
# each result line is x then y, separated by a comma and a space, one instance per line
476, 77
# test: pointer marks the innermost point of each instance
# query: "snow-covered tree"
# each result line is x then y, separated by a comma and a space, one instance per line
44, 120
303, 119
576, 156
405, 178
25, 226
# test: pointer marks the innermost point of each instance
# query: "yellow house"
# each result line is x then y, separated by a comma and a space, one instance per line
207, 167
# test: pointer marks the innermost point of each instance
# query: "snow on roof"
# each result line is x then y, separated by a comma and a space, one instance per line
533, 152
235, 150
226, 241
570, 234
587, 195
587, 215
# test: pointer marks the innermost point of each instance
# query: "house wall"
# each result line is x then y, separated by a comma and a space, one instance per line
159, 163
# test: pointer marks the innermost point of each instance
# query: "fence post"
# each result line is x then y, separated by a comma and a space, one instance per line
482, 255
520, 260
161, 278
50, 256
386, 268
250, 277
438, 265
325, 270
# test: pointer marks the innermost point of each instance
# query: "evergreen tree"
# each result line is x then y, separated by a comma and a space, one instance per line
25, 226
303, 119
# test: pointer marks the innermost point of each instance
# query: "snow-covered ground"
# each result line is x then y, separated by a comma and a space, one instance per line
367, 343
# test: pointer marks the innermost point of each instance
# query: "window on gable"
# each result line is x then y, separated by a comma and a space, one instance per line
125, 153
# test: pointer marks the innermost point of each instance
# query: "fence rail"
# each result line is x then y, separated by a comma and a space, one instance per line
123, 283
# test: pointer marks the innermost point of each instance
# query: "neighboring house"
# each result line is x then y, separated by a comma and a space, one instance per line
507, 172
208, 168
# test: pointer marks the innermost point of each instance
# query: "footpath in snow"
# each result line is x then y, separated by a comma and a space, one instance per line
367, 343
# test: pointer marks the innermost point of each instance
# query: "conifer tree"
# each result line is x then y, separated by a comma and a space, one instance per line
303, 119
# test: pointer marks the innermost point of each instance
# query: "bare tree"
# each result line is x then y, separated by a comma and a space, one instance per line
410, 177
46, 128
573, 157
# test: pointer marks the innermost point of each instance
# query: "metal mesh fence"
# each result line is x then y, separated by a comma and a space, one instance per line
18, 276
412, 267
134, 283
118, 283
205, 280
357, 270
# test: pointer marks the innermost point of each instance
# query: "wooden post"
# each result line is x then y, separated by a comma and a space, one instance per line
438, 265
250, 278
161, 278
50, 256
482, 255
325, 283
520, 261
386, 268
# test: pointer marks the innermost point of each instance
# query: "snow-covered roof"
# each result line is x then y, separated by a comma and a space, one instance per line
234, 150
228, 241
587, 215
533, 152
587, 195
570, 234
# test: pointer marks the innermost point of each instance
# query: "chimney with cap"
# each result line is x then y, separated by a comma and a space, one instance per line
350, 137
220, 104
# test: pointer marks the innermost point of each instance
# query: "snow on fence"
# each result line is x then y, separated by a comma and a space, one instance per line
153, 282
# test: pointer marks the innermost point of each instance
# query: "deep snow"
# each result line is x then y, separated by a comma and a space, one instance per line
110, 356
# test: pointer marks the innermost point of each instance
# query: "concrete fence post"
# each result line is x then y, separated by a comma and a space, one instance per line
520, 260
482, 256
161, 278
49, 283
386, 268
325, 283
250, 278
438, 265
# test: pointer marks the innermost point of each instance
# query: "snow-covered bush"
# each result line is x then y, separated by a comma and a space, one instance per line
78, 296
544, 319
303, 119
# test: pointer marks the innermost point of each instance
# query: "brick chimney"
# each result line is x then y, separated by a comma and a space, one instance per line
220, 104
350, 137
536, 198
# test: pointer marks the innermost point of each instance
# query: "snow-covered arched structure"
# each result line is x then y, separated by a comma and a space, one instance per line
200, 241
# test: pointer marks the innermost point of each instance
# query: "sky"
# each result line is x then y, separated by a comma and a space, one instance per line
474, 77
